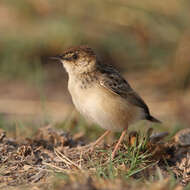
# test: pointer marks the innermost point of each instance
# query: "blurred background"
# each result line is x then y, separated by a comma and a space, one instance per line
148, 41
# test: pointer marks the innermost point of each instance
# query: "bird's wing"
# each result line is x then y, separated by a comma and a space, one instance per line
114, 82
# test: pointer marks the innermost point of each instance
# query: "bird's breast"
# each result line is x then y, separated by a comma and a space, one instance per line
86, 99
108, 110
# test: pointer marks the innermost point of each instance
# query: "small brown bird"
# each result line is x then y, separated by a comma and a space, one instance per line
101, 94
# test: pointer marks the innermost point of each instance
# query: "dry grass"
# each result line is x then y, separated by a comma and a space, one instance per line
53, 159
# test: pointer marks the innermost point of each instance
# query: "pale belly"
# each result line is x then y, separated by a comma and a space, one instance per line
106, 109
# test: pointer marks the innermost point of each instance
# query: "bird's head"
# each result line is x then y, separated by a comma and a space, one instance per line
79, 59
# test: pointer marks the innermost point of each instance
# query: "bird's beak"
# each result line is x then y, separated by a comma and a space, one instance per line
57, 58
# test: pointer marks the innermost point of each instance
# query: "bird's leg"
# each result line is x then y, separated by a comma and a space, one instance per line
118, 143
99, 140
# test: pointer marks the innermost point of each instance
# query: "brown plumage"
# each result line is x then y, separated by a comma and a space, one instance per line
101, 94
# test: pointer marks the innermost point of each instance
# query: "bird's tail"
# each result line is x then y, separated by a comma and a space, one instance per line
151, 118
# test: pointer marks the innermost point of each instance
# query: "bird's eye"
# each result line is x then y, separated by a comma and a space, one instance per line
75, 56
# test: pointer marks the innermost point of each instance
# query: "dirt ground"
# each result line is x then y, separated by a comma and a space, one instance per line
35, 160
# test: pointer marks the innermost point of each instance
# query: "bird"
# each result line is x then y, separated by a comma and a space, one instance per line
101, 94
